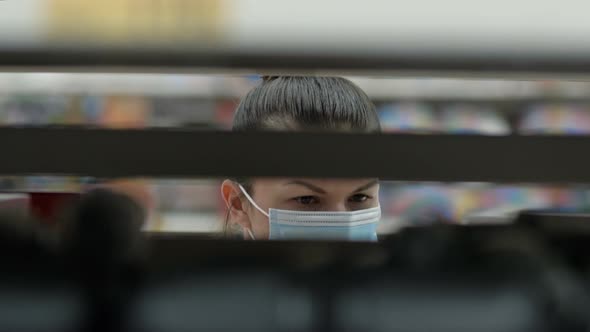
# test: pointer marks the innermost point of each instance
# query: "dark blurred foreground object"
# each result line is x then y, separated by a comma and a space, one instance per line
441, 278
77, 277
102, 244
35, 294
522, 277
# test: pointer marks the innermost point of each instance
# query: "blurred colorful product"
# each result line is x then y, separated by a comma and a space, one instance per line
473, 119
408, 117
556, 119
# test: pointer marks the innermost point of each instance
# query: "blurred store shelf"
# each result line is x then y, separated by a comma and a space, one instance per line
201, 86
228, 87
177, 222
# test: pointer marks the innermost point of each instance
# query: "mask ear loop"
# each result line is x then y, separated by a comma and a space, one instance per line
251, 200
250, 233
226, 221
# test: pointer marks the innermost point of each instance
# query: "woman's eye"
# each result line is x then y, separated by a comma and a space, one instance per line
359, 198
307, 200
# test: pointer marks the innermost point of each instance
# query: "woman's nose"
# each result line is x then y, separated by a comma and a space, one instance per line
338, 207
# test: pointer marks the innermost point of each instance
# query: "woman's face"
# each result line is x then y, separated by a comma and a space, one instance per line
301, 194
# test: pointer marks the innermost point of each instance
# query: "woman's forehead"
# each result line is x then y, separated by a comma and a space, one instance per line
324, 184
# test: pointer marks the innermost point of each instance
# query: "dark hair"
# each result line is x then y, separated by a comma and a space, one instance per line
306, 103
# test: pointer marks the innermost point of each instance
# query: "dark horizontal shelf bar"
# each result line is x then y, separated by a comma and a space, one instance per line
162, 59
189, 153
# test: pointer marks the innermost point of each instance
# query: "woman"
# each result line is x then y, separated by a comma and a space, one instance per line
302, 208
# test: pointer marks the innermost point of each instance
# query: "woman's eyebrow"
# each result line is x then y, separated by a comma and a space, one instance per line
308, 186
367, 186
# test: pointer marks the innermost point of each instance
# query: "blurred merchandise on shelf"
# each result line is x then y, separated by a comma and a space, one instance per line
408, 117
417, 204
115, 22
125, 112
188, 195
556, 119
458, 118
187, 206
10, 183
32, 110
224, 114
178, 112
141, 190
405, 105
473, 119
49, 184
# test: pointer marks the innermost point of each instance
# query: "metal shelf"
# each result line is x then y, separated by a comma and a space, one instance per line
162, 59
188, 153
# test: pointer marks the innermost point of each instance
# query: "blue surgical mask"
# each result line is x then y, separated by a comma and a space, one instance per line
360, 225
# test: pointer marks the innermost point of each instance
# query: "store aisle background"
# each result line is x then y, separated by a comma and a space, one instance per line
405, 105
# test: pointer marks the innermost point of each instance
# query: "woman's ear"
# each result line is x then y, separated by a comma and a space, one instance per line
232, 196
